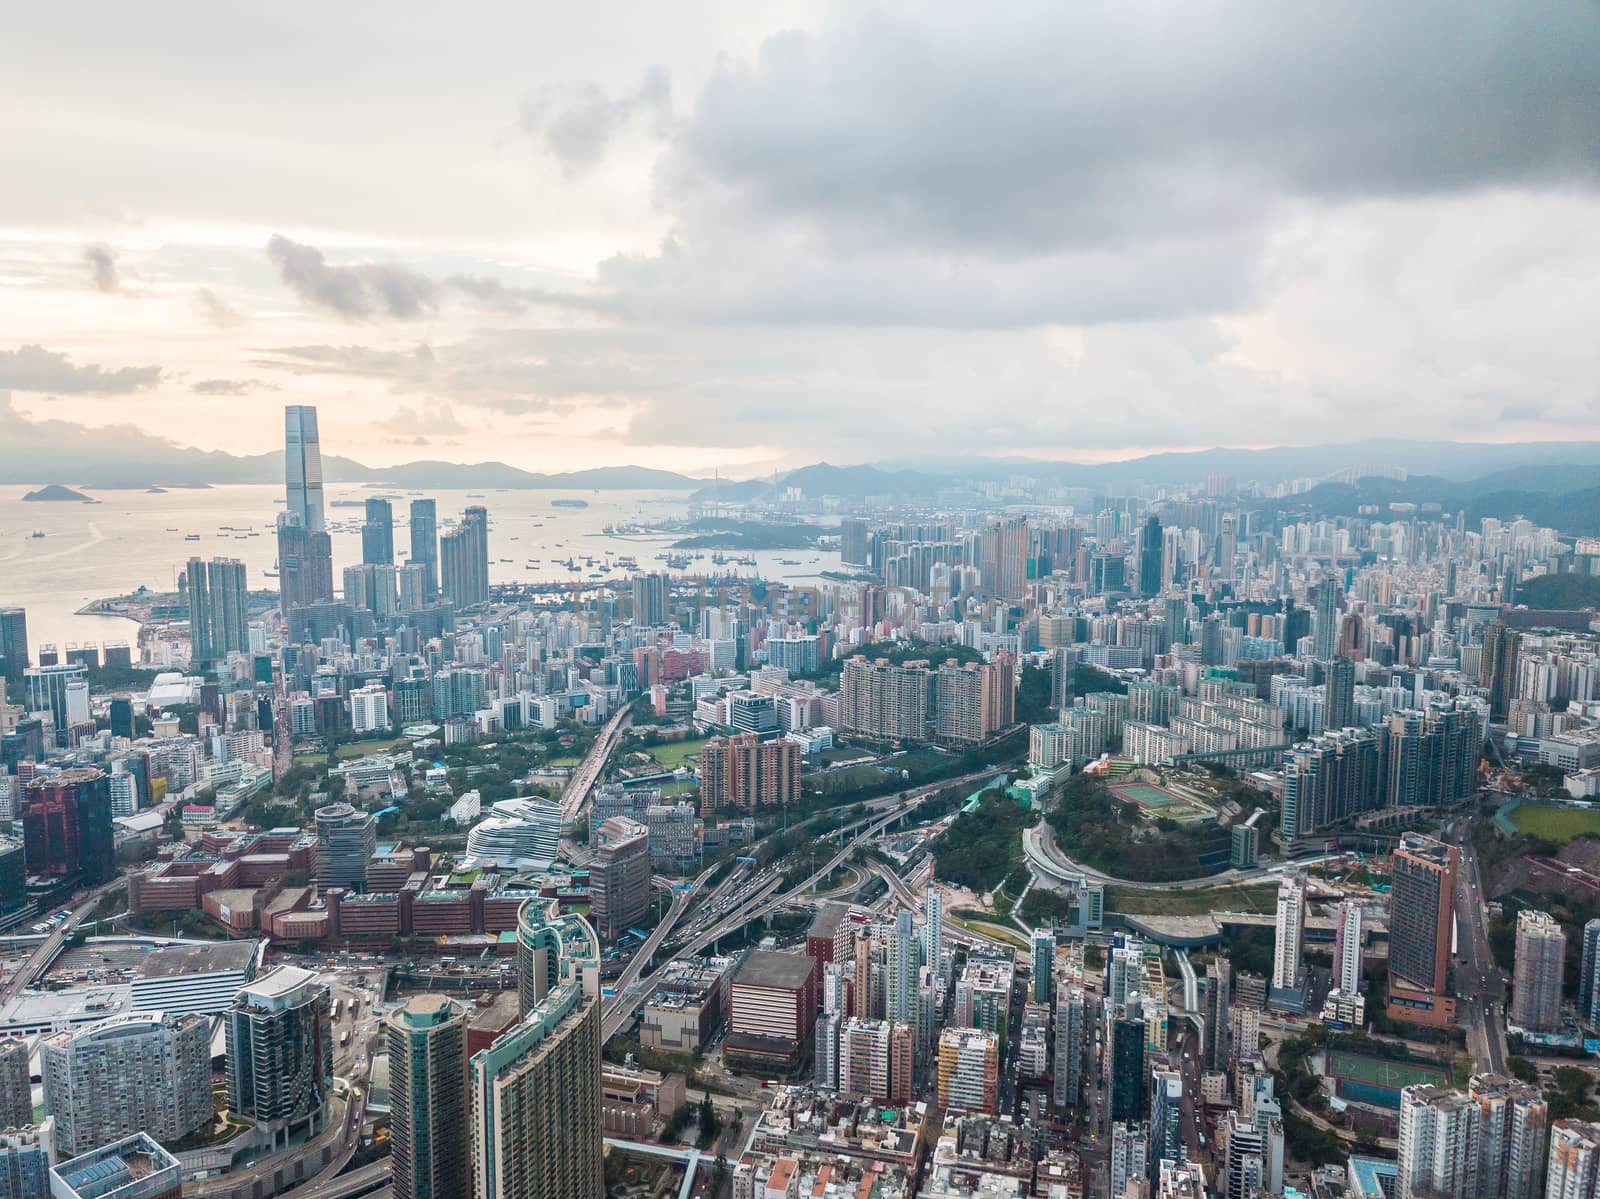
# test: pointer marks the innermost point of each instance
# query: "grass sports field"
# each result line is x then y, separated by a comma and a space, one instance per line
1158, 801
1381, 1072
676, 753
1555, 824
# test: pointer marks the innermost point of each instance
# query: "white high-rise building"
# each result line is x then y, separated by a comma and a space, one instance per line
1536, 982
1130, 1154
933, 929
1290, 931
1347, 947
1574, 1169
1484, 1143
369, 709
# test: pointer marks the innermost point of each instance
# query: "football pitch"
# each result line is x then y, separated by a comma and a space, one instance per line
1382, 1072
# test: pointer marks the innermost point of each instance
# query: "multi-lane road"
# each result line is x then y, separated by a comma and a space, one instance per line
583, 779
1480, 987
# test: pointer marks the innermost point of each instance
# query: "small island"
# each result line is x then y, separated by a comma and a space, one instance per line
57, 494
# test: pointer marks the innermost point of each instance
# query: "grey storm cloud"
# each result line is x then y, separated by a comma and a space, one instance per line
356, 292
101, 260
1094, 162
575, 123
1093, 123
34, 368
367, 290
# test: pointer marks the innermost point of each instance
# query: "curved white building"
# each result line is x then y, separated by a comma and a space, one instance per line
519, 834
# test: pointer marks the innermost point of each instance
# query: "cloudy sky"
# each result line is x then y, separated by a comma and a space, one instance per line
745, 234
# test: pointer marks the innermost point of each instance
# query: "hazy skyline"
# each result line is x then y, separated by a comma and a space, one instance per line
744, 235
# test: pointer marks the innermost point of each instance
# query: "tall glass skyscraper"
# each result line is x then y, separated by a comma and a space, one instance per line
425, 542
377, 534
303, 466
428, 1083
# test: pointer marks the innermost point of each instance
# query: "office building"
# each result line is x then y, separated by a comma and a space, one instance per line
1421, 928
1339, 686
280, 1054
619, 877
1166, 1118
1126, 1061
303, 467
66, 826
346, 839
1151, 547
464, 560
1541, 953
650, 600
26, 1153
14, 655
536, 1098
377, 534
16, 1092
969, 1070
425, 546
743, 771
427, 1098
62, 690
219, 609
305, 564
142, 1072
1347, 957
1589, 975
1574, 1164
135, 1167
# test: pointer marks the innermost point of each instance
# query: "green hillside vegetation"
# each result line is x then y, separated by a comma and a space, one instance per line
1560, 591
1093, 827
982, 846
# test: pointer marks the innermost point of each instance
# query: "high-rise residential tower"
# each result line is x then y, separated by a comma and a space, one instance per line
536, 1092
428, 1089
1290, 929
219, 609
142, 1072
303, 466
280, 1054
1347, 947
1541, 953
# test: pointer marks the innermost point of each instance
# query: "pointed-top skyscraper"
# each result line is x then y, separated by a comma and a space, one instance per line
302, 475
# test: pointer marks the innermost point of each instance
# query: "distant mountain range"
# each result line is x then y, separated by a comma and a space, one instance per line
53, 451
